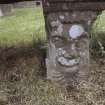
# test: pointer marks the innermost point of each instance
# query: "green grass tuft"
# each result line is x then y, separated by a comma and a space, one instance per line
22, 26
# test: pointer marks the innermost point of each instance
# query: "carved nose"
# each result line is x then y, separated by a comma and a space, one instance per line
70, 55
67, 55
71, 52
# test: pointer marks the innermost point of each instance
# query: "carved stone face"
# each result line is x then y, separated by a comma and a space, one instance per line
68, 54
70, 50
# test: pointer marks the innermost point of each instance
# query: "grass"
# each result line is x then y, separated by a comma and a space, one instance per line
22, 26
23, 81
97, 42
99, 25
98, 29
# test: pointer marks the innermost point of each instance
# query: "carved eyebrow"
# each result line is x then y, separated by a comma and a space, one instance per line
83, 36
80, 37
60, 37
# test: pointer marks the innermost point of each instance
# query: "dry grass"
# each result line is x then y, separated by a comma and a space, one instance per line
23, 82
22, 79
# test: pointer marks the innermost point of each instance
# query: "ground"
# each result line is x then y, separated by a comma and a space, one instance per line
22, 68
23, 82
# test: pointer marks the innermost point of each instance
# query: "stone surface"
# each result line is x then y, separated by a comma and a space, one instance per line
27, 4
3, 97
5, 9
1, 13
68, 32
73, 5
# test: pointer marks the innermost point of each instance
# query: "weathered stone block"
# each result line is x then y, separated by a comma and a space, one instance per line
68, 26
5, 9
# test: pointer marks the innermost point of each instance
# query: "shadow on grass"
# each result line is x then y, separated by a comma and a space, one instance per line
23, 77
17, 58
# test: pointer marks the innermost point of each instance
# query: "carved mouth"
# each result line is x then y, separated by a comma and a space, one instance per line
68, 62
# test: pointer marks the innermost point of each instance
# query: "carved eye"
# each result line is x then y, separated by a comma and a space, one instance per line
55, 39
58, 40
76, 31
82, 44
